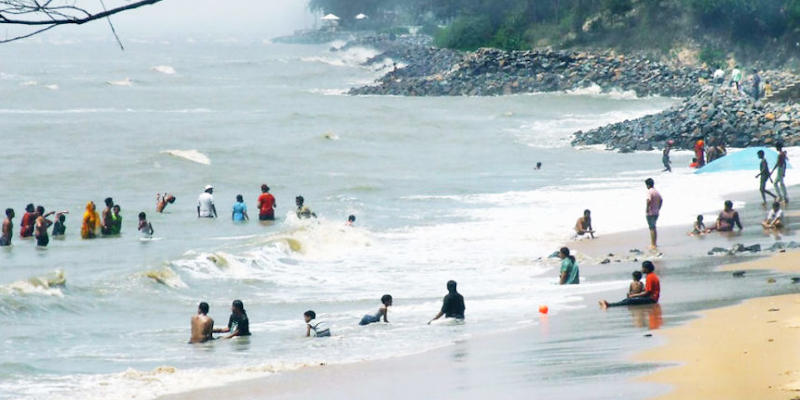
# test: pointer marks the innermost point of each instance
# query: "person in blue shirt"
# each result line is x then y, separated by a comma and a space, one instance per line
239, 210
569, 268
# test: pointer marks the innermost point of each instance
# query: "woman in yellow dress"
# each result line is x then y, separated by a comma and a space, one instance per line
91, 222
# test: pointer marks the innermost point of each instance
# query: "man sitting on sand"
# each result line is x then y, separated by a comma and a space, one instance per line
650, 295
774, 218
584, 224
202, 325
727, 219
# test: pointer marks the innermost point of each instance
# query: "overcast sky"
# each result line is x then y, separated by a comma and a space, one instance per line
256, 19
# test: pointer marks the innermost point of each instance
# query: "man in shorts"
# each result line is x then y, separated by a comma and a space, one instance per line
654, 203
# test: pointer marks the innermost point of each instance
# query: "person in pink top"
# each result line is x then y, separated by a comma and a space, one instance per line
654, 203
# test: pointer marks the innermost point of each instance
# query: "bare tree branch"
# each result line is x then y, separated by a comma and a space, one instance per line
69, 20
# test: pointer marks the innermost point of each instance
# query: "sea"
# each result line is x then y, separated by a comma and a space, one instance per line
442, 188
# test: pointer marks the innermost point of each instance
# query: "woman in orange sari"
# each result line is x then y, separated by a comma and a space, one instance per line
91, 222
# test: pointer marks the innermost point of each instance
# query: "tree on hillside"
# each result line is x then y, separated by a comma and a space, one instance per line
42, 15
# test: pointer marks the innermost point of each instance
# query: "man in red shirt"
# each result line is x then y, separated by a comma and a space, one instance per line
266, 205
652, 290
28, 219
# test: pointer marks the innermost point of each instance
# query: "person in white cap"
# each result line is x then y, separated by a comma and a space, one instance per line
205, 204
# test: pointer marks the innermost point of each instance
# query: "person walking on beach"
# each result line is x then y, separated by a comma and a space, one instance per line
205, 203
91, 222
763, 176
584, 224
570, 275
756, 85
238, 324
650, 295
28, 219
780, 166
383, 312
736, 78
665, 156
8, 228
163, 200
266, 205
452, 304
108, 221
654, 202
239, 210
202, 325
40, 227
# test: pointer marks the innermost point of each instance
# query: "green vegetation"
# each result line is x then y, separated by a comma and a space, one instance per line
746, 28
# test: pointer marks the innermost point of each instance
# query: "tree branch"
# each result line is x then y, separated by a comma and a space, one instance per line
65, 19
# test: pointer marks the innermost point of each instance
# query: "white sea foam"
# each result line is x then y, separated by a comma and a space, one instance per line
121, 82
164, 69
351, 57
191, 155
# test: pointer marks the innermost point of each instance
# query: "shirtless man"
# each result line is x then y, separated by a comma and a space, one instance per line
163, 200
40, 227
107, 226
202, 325
8, 226
584, 224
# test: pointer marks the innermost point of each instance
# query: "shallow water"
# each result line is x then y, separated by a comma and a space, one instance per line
443, 188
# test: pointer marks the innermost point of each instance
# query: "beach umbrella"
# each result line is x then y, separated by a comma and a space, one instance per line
330, 17
745, 159
361, 16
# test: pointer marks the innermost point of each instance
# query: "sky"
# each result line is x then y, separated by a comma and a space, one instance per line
253, 19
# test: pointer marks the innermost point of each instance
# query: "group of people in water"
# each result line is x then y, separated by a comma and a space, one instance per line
36, 222
202, 326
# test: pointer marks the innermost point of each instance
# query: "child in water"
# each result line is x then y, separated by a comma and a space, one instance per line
145, 227
386, 302
699, 228
636, 286
320, 328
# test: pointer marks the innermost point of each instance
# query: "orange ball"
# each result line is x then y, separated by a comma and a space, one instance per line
543, 309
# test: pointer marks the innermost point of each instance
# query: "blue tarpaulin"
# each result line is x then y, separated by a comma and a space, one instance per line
745, 159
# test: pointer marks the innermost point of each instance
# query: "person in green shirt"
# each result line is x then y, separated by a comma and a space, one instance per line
569, 268
116, 220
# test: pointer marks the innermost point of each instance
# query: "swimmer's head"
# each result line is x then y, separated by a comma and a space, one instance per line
386, 300
238, 306
264, 188
648, 267
142, 216
728, 204
203, 308
239, 198
299, 200
351, 218
170, 199
30, 208
109, 201
649, 182
760, 154
309, 315
451, 286
10, 212
116, 208
637, 275
62, 218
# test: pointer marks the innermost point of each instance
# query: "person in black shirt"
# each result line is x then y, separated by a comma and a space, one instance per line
452, 305
238, 324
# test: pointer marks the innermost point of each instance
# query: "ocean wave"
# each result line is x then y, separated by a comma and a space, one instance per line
121, 82
47, 285
167, 277
191, 155
164, 69
352, 57
596, 91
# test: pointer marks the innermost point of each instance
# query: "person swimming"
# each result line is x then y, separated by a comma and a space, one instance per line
452, 304
320, 328
351, 220
383, 311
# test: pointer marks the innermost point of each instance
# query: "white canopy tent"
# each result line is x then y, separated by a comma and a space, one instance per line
361, 16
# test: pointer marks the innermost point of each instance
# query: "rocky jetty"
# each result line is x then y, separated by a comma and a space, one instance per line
715, 112
491, 72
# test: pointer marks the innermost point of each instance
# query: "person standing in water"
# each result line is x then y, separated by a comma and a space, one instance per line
202, 325
654, 202
59, 229
41, 226
320, 328
28, 219
163, 200
650, 295
452, 304
780, 166
763, 176
383, 312
205, 203
303, 211
91, 222
266, 204
239, 213
108, 220
665, 156
144, 226
116, 220
584, 224
8, 228
570, 274
238, 324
